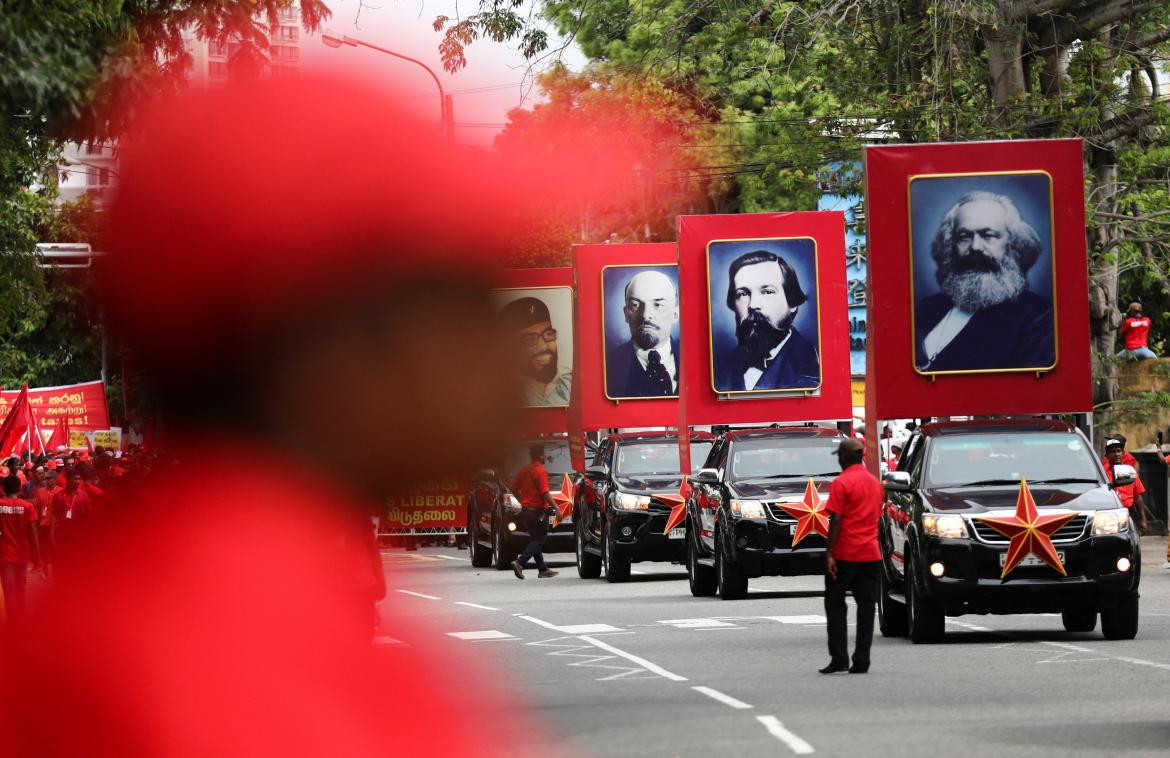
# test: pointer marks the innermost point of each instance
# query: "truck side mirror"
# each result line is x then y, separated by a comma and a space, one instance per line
897, 481
707, 476
596, 470
1123, 475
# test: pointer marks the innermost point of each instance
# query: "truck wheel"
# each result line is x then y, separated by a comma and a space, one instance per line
926, 621
481, 557
731, 580
892, 618
1079, 620
617, 566
702, 578
500, 559
588, 564
1121, 622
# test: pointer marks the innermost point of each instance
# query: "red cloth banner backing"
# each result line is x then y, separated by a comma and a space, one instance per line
603, 403
951, 332
809, 376
84, 405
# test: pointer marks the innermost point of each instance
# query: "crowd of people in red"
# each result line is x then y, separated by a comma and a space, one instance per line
47, 503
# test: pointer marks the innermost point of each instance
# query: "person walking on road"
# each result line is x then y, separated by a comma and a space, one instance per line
531, 488
852, 557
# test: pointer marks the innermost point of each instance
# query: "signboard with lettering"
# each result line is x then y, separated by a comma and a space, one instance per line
428, 507
84, 405
856, 267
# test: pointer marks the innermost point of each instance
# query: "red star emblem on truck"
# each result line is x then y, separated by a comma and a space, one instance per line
810, 514
1029, 532
564, 501
678, 505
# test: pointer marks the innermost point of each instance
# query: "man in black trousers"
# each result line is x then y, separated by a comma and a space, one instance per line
852, 557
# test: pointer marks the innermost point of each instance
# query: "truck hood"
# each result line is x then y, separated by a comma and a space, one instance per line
650, 485
777, 489
1070, 497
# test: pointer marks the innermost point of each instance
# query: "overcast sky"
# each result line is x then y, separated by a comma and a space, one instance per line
497, 77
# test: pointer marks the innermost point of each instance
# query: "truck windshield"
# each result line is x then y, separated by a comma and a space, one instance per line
556, 459
783, 458
1003, 458
642, 459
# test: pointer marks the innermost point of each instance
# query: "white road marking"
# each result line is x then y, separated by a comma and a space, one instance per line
777, 730
810, 618
1066, 646
419, 594
636, 571
476, 605
451, 558
387, 641
651, 667
577, 629
702, 623
725, 699
588, 629
490, 634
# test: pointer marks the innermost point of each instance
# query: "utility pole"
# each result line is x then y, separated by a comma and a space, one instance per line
449, 116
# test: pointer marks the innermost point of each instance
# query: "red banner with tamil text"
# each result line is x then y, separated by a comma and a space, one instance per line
84, 405
428, 505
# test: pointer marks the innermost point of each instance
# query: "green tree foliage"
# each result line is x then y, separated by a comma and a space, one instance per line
77, 70
800, 86
602, 116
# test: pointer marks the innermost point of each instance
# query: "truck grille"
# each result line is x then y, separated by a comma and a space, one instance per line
1070, 532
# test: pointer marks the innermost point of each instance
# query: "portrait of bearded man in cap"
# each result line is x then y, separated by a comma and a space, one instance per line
547, 379
985, 316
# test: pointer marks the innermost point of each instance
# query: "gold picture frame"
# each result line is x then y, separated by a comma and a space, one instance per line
1038, 370
790, 391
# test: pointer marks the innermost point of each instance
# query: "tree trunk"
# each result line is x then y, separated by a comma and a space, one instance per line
1005, 63
1104, 316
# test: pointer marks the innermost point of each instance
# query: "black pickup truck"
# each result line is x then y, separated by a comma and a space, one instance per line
625, 501
943, 556
744, 516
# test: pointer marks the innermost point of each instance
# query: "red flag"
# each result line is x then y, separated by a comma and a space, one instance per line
15, 424
60, 435
36, 437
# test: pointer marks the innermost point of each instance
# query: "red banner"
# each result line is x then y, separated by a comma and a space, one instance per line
428, 505
1010, 336
84, 405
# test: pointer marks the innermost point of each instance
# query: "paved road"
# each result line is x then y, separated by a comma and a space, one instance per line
643, 668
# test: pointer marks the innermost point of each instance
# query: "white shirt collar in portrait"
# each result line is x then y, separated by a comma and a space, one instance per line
753, 374
944, 332
664, 352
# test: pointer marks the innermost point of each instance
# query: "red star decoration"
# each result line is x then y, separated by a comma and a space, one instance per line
678, 505
810, 514
564, 501
1029, 532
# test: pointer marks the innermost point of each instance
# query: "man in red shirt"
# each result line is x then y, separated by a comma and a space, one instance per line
71, 509
18, 547
531, 488
852, 556
1129, 494
1135, 332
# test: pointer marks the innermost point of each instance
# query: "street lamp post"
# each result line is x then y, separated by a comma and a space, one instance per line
334, 39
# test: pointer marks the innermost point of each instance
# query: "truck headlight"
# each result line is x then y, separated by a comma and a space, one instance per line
945, 526
1110, 522
629, 502
747, 508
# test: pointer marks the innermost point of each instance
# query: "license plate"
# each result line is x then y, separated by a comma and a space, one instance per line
1030, 560
677, 534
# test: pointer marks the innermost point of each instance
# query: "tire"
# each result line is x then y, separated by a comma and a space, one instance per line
588, 564
893, 619
617, 566
500, 559
702, 579
730, 580
1121, 622
1079, 620
926, 622
481, 557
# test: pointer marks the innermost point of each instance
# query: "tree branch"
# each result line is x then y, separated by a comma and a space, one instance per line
1022, 10
1091, 20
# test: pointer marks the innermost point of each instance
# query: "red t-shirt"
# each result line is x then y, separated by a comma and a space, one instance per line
15, 518
1136, 332
530, 484
856, 498
69, 507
